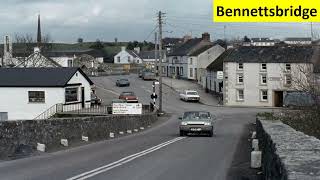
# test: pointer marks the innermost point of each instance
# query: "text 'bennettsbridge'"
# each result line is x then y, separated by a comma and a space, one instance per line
266, 11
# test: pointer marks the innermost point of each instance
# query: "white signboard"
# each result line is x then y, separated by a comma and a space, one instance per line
126, 108
220, 75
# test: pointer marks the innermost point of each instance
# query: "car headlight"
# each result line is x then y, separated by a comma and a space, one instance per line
207, 124
184, 123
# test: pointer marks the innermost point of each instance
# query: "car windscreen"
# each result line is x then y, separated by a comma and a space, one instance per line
123, 80
127, 94
196, 115
192, 93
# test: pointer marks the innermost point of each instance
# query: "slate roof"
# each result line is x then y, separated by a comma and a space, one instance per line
149, 54
273, 54
38, 77
185, 48
217, 65
298, 39
133, 53
201, 50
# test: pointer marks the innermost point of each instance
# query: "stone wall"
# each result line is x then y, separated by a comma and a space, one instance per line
286, 153
17, 136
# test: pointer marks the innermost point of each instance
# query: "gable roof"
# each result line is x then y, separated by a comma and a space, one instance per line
70, 53
201, 50
149, 54
133, 53
272, 54
186, 47
217, 65
38, 77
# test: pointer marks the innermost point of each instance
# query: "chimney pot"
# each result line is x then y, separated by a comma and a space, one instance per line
206, 36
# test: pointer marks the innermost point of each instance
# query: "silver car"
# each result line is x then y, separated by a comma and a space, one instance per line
197, 122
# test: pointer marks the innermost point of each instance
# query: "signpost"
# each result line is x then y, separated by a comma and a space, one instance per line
220, 75
127, 108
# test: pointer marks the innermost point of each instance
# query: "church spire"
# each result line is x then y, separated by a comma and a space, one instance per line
39, 32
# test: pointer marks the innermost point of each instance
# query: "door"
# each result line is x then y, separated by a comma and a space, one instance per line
278, 99
82, 97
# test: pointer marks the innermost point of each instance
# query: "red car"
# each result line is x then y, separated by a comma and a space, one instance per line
130, 97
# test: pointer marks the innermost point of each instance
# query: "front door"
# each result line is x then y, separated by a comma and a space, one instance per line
278, 98
82, 97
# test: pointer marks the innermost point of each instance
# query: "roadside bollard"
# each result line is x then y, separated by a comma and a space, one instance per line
256, 159
64, 142
85, 138
41, 147
129, 131
111, 135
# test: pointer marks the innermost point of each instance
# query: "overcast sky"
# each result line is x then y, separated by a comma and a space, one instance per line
67, 20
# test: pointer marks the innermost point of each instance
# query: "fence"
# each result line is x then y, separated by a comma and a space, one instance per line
88, 109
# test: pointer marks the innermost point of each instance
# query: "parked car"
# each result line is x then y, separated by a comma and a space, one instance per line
190, 95
197, 122
95, 100
129, 97
299, 99
142, 71
122, 82
148, 76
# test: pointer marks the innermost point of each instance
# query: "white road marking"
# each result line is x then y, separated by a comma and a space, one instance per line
122, 161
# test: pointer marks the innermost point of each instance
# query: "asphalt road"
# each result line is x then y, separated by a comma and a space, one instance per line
154, 154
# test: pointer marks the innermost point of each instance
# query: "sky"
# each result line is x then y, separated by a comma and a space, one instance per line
128, 20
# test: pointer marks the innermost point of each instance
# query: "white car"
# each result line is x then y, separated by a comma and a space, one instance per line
190, 95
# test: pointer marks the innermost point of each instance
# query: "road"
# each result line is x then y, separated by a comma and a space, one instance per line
154, 154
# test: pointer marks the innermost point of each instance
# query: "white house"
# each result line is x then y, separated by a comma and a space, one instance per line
66, 58
298, 41
27, 93
178, 64
262, 42
261, 76
199, 60
127, 57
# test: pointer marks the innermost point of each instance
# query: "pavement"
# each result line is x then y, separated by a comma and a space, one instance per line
181, 85
154, 154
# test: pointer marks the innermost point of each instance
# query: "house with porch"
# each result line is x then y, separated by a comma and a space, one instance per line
27, 93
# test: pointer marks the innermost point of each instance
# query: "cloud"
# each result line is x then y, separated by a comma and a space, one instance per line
126, 19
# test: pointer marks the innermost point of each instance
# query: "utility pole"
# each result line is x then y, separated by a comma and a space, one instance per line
224, 32
160, 61
156, 52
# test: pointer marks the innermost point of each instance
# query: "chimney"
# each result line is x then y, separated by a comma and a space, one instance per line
137, 49
206, 37
123, 48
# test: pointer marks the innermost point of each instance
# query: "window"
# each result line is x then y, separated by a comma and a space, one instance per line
263, 67
288, 67
138, 61
264, 95
36, 97
240, 78
191, 61
263, 79
288, 79
240, 66
129, 59
181, 70
118, 59
71, 94
70, 64
191, 72
240, 95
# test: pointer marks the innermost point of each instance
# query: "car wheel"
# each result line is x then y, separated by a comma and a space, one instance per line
182, 133
211, 134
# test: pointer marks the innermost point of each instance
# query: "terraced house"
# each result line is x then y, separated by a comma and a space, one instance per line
262, 76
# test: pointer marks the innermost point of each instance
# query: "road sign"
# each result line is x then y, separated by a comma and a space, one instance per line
126, 108
154, 96
156, 83
220, 75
